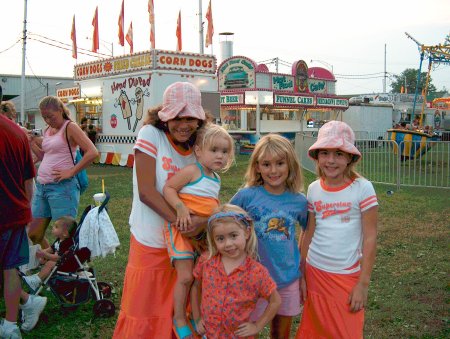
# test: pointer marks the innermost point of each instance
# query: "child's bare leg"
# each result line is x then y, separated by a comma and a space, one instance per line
281, 327
46, 269
183, 284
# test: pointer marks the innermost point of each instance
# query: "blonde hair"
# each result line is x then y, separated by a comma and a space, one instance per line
246, 223
277, 146
54, 103
206, 136
8, 109
69, 224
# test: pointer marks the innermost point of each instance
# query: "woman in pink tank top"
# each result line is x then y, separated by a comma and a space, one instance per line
57, 190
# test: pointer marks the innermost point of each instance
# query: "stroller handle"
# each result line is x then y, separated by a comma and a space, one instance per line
105, 202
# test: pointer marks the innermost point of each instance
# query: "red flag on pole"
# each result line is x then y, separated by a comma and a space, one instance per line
129, 37
73, 36
95, 35
210, 31
121, 24
179, 39
151, 12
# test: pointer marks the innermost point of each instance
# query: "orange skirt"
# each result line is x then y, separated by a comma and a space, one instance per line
147, 298
326, 313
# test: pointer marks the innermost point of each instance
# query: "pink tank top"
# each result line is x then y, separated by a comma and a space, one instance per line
56, 155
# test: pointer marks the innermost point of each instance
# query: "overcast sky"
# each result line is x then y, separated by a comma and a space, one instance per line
347, 35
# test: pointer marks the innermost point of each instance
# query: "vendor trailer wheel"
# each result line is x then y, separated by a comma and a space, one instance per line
104, 308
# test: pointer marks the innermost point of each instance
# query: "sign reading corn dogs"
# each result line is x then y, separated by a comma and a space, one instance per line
150, 60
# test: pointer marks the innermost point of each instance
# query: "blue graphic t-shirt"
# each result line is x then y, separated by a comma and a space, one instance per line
276, 218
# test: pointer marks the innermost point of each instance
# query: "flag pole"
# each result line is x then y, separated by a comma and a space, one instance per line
200, 25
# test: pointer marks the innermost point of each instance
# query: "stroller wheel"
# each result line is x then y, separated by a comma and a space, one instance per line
104, 308
105, 289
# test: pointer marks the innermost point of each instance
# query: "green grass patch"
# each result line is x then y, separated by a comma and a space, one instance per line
408, 296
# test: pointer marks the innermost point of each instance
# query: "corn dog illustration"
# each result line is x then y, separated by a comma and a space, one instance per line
140, 106
125, 107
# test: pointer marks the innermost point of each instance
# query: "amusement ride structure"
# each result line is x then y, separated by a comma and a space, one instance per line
439, 54
413, 144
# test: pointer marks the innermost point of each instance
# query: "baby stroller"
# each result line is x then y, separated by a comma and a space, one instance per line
73, 282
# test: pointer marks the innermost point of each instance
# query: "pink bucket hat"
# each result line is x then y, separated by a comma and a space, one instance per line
182, 99
335, 134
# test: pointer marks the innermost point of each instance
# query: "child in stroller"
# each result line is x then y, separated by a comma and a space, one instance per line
62, 231
70, 279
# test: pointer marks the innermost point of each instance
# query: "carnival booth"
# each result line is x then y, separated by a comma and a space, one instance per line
254, 101
115, 94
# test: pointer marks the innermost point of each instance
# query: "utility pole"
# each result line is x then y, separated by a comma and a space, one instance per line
22, 81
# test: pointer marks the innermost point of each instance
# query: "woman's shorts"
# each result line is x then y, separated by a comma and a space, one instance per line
290, 302
56, 200
14, 249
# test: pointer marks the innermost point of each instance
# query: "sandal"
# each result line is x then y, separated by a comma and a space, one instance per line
182, 332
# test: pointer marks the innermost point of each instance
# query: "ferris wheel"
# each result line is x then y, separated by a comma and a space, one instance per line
439, 54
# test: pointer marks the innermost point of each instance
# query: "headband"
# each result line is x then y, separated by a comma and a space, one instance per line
236, 216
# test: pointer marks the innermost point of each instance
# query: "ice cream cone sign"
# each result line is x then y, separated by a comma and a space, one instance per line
125, 107
139, 106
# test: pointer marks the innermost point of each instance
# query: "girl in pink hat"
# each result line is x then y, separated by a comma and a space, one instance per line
164, 145
339, 245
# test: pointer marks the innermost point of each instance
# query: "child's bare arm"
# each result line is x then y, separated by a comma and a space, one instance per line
358, 297
249, 329
171, 189
305, 241
47, 254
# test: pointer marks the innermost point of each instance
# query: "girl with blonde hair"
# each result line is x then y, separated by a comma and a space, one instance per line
272, 197
229, 281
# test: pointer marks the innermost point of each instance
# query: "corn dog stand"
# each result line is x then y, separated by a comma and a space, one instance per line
115, 94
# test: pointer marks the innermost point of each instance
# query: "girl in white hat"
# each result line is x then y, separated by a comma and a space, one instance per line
339, 245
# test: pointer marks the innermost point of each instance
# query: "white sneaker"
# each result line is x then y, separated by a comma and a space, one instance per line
31, 311
10, 333
33, 281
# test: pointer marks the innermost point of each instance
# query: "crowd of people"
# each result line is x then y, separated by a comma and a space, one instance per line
33, 197
200, 267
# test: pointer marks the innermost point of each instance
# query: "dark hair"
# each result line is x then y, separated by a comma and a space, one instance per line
83, 120
91, 126
152, 118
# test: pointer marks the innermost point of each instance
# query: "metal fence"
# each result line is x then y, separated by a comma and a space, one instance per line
383, 161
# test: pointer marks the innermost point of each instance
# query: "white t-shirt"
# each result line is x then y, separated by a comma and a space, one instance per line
147, 225
336, 245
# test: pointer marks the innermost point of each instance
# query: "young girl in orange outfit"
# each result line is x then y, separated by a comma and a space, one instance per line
273, 199
231, 280
194, 190
339, 245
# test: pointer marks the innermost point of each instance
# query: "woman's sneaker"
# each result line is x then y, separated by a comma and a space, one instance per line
31, 311
12, 332
33, 281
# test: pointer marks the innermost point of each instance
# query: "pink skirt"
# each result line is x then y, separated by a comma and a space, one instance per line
326, 313
147, 299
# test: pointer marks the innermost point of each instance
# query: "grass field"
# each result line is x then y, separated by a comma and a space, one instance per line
408, 296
